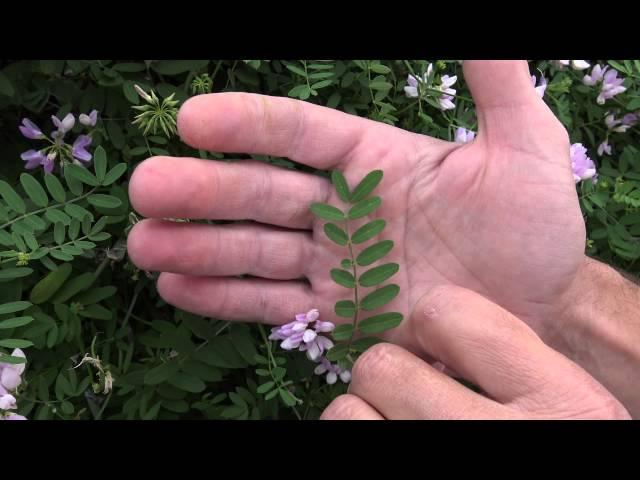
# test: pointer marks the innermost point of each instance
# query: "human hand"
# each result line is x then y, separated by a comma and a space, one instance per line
499, 216
521, 376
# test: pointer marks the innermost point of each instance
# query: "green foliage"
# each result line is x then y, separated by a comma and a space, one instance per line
361, 205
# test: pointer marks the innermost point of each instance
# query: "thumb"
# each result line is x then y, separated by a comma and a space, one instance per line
509, 108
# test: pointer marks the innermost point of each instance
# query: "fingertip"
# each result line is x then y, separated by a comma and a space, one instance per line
141, 185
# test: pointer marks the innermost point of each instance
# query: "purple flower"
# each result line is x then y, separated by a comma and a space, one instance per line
611, 84
10, 373
79, 148
620, 125
541, 87
597, 73
575, 64
301, 334
8, 402
446, 100
411, 90
463, 135
13, 416
30, 129
332, 371
33, 158
604, 147
316, 346
582, 166
630, 119
89, 120
65, 124
49, 162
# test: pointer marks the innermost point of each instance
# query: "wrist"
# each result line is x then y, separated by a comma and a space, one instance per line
585, 313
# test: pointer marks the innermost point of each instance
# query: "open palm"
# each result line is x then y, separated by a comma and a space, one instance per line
499, 215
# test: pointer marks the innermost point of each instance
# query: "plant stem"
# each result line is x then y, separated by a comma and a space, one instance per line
272, 361
354, 269
48, 207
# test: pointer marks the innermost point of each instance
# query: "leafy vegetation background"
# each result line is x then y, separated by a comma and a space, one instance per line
76, 291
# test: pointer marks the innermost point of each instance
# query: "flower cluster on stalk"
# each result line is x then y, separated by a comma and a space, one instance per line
304, 334
58, 150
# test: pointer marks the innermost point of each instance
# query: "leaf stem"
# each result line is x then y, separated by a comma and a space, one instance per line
354, 269
10, 222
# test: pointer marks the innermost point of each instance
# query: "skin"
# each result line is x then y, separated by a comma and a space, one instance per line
498, 216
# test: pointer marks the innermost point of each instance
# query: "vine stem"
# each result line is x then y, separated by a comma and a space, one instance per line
48, 207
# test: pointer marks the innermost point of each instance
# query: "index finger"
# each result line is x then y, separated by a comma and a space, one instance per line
238, 122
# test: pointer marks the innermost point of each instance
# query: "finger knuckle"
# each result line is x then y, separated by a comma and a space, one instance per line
374, 362
344, 407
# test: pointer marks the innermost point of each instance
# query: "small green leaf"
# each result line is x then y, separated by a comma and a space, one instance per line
11, 273
633, 104
340, 184
73, 183
366, 186
161, 373
66, 407
336, 234
186, 382
100, 163
346, 263
376, 275
58, 255
15, 322
76, 211
81, 174
13, 307
13, 360
114, 174
288, 399
343, 332
364, 207
14, 201
345, 308
96, 295
45, 288
380, 323
265, 387
98, 237
15, 343
55, 188
380, 297
377, 68
342, 277
379, 85
96, 311
104, 201
58, 233
35, 191
368, 231
6, 88
271, 394
54, 215
73, 287
327, 212
337, 352
364, 343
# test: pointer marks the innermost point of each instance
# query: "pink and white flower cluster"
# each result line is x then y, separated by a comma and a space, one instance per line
304, 334
445, 98
10, 380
